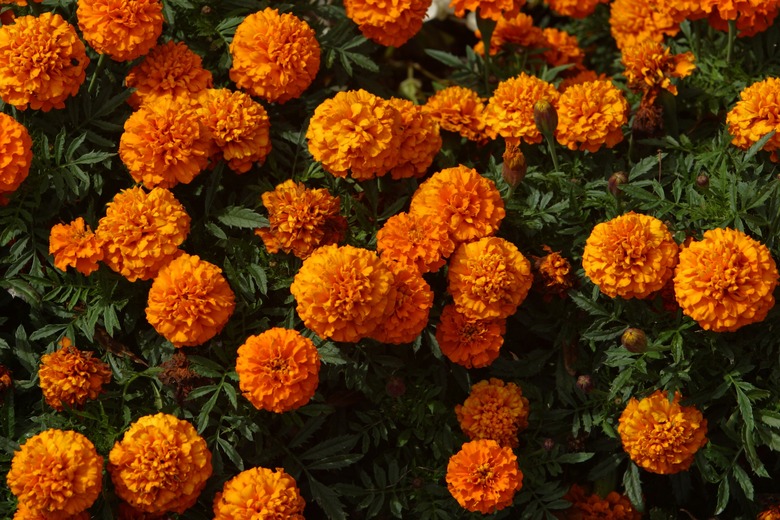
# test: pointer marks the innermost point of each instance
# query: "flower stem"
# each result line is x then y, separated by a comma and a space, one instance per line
553, 153
98, 70
732, 37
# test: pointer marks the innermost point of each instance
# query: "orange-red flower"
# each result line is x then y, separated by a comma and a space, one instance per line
575, 8
493, 9
756, 114
460, 110
70, 376
275, 57
614, 506
407, 318
388, 23
562, 48
494, 410
122, 29
650, 67
278, 370
75, 245
518, 30
635, 21
752, 16
15, 154
259, 493
420, 140
416, 241
23, 512
510, 112
42, 62
771, 513
591, 115
578, 77
469, 342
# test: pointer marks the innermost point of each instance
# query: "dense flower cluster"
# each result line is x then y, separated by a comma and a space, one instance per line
510, 112
756, 114
586, 506
75, 245
650, 67
416, 241
469, 342
460, 110
16, 156
259, 493
123, 30
409, 314
388, 23
494, 410
632, 22
591, 115
71, 377
420, 140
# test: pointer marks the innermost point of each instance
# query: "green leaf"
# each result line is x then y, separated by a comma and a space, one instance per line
335, 445
745, 408
743, 480
574, 458
633, 486
753, 150
723, 496
445, 57
238, 217
327, 499
231, 452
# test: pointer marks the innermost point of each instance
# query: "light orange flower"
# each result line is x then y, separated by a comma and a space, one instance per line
726, 280
15, 154
122, 29
460, 110
591, 115
510, 112
635, 21
483, 476
75, 245
169, 69
407, 318
554, 274
419, 242
469, 342
575, 8
562, 48
756, 114
650, 67
494, 410
518, 30
160, 465
662, 436
56, 474
142, 231
614, 506
301, 220
420, 140
259, 493
42, 62
493, 9
388, 23
278, 370
275, 57
70, 376
630, 256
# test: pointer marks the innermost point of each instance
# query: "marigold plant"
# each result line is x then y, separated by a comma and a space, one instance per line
494, 410
469, 342
16, 158
259, 493
591, 115
408, 316
388, 23
123, 30
510, 112
756, 114
75, 245
460, 110
71, 377
416, 241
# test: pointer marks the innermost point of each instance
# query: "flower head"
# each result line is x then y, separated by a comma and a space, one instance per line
614, 506
494, 410
771, 513
469, 342
752, 17
415, 241
562, 48
460, 110
15, 153
591, 115
56, 474
409, 314
493, 9
510, 112
630, 256
23, 512
75, 245
71, 376
483, 476
756, 114
42, 62
518, 30
122, 29
578, 77
259, 493
6, 381
553, 274
278, 370
574, 8
388, 23
726, 280
662, 436
275, 57
420, 140
635, 21
160, 465
650, 67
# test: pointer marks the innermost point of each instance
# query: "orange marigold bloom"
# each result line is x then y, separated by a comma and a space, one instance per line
420, 140
510, 112
493, 9
591, 115
190, 301
635, 21
752, 16
56, 474
562, 48
661, 436
23, 512
460, 110
726, 280
469, 342
612, 507
128, 512
650, 67
466, 203
122, 29
301, 220
388, 23
142, 231
343, 293
488, 278
518, 30
483, 476
239, 126
169, 69
165, 142
630, 256
756, 114
416, 241
6, 382
160, 465
356, 132
494, 410
278, 370
275, 57
259, 493
407, 318
773, 513
553, 272
15, 154
75, 245
70, 376
580, 76
575, 8
42, 62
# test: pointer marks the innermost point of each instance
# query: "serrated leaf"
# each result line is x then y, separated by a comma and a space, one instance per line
574, 458
633, 486
743, 480
753, 150
329, 447
445, 57
231, 453
335, 462
238, 217
327, 499
588, 305
723, 496
745, 408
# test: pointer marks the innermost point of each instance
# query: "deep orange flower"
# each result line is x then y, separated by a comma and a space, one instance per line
56, 474
70, 376
23, 512
275, 57
493, 9
562, 48
494, 410
726, 280
239, 126
650, 67
388, 23
630, 256
407, 318
554, 274
578, 77
575, 8
635, 21
301, 220
160, 465
142, 231
42, 62
6, 382
122, 29
278, 370
510, 112
15, 154
416, 241
420, 140
752, 16
259, 493
483, 476
75, 245
343, 293
128, 512
661, 436
169, 69
165, 142
518, 30
488, 278
460, 110
591, 115
756, 114
772, 513
614, 506
469, 342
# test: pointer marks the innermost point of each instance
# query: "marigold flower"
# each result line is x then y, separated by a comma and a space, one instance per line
591, 115
578, 77
562, 48
42, 62
388, 23
128, 512
6, 382
469, 342
56, 474
630, 256
75, 245
160, 465
468, 204
165, 142
170, 69
614, 506
459, 110
510, 112
756, 114
15, 153
23, 512
661, 436
418, 242
301, 220
239, 126
493, 9
278, 370
275, 57
772, 513
518, 30
752, 17
71, 376
635, 21
726, 280
343, 293
650, 67
142, 231
420, 140
488, 278
407, 318
553, 272
483, 476
190, 301
494, 410
259, 493
574, 8
122, 29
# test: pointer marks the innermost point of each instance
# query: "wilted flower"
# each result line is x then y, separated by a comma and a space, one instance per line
591, 115
388, 23
510, 112
554, 276
459, 110
407, 318
494, 410
70, 376
75, 245
514, 167
756, 114
15, 154
259, 493
123, 30
650, 67
469, 342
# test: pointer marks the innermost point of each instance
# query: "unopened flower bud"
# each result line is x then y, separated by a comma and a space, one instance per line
395, 387
206, 10
548, 444
514, 169
545, 117
411, 89
616, 180
635, 340
702, 181
585, 383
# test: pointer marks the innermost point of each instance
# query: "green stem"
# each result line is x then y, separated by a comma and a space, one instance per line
98, 70
553, 153
732, 38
